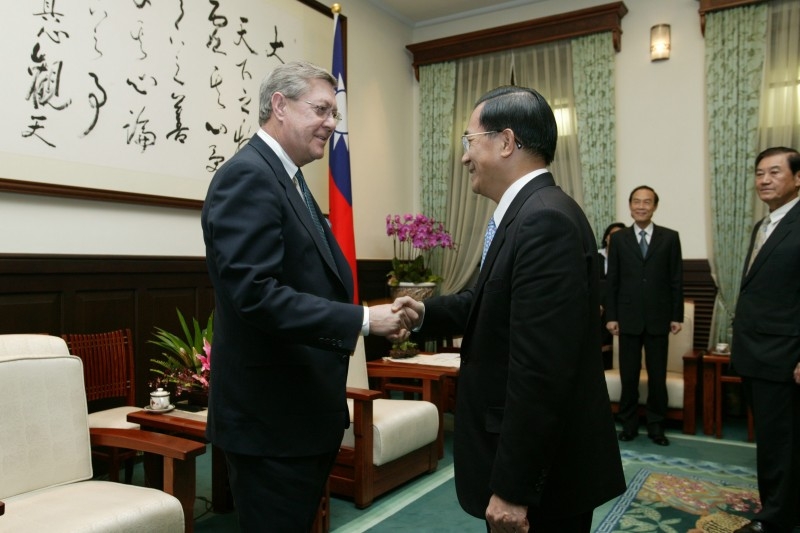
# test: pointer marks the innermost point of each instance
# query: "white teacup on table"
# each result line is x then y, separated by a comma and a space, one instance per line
722, 347
159, 400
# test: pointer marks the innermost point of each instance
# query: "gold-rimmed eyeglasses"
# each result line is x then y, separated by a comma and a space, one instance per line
465, 138
324, 111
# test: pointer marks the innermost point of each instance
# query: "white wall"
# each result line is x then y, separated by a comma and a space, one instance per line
660, 127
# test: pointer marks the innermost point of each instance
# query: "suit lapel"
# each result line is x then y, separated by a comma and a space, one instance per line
539, 182
299, 206
656, 242
781, 231
632, 242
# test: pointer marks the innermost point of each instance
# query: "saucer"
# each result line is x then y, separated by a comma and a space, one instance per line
159, 411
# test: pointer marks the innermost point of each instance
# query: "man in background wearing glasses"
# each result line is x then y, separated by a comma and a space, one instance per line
284, 324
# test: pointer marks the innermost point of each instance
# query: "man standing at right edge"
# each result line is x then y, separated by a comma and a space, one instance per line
766, 341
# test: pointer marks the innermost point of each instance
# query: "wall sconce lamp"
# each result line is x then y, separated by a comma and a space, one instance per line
659, 42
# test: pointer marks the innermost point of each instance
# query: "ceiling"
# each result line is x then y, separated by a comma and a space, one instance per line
417, 13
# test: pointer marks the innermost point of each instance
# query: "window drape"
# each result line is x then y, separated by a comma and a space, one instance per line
734, 58
548, 69
593, 79
437, 100
779, 118
467, 212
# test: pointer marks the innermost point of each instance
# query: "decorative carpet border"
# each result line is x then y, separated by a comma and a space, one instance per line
688, 466
623, 502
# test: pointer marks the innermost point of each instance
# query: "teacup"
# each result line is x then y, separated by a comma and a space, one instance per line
722, 347
159, 400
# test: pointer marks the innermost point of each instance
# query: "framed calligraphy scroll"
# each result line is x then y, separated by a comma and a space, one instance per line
140, 101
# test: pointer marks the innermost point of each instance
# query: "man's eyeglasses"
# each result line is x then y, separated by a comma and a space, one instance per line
465, 138
324, 111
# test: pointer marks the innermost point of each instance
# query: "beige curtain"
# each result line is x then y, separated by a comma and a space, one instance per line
547, 69
468, 213
779, 118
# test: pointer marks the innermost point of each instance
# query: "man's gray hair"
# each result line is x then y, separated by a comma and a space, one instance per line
291, 80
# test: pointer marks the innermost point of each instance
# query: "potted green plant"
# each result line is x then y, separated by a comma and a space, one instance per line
185, 364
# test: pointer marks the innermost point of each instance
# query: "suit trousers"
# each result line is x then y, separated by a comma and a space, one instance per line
277, 494
630, 365
776, 414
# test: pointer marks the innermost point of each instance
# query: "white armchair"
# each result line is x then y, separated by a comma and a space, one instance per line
389, 442
682, 375
45, 452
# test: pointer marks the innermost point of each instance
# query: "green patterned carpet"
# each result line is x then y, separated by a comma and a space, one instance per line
676, 493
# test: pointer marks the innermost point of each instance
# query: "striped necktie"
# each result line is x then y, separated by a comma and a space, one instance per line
761, 238
643, 243
309, 201
491, 228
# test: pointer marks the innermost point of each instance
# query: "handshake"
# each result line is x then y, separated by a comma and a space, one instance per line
396, 320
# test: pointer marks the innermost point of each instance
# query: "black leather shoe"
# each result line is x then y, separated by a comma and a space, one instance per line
661, 440
756, 526
625, 436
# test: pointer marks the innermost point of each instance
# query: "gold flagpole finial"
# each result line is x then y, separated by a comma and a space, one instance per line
336, 8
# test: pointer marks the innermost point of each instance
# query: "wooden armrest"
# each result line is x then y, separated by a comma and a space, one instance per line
147, 441
364, 395
692, 356
178, 475
413, 372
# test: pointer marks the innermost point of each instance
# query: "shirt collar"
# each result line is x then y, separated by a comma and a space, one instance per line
288, 164
511, 193
648, 230
778, 214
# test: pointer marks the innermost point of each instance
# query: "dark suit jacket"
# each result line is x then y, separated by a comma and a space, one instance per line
283, 324
645, 294
533, 418
766, 327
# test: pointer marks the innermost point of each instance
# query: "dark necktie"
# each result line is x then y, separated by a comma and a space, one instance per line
310, 205
643, 243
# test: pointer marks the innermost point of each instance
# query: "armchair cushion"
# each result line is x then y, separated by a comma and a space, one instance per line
398, 427
115, 417
92, 506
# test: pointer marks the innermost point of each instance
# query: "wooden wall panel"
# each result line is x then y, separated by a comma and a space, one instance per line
24, 312
84, 294
102, 310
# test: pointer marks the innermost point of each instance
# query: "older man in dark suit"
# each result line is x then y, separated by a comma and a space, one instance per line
766, 340
284, 322
534, 441
644, 303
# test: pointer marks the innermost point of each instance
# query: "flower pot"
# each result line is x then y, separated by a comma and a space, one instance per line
198, 397
418, 291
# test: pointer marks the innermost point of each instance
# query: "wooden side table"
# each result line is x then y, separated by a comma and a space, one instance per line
714, 376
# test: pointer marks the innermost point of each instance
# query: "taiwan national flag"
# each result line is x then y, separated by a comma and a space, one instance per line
340, 191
